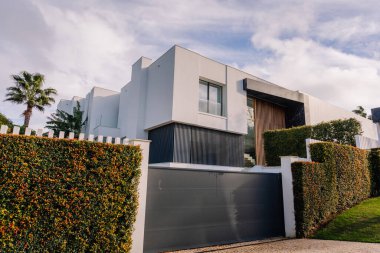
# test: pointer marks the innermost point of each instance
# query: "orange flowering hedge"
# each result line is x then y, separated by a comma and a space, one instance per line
66, 195
339, 178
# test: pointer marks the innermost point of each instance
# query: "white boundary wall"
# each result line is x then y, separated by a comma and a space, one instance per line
364, 142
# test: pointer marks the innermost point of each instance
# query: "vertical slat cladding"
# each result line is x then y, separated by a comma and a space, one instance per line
216, 147
189, 144
267, 117
182, 143
162, 146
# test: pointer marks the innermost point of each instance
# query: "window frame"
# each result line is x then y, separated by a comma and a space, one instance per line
219, 88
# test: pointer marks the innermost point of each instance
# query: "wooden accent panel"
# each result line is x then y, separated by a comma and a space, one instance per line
268, 116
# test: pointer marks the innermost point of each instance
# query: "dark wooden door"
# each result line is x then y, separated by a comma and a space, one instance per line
268, 116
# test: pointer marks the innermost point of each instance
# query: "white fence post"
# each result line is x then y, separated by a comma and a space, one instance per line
71, 135
50, 134
90, 137
3, 129
28, 131
287, 194
61, 135
39, 132
81, 137
99, 138
16, 130
138, 233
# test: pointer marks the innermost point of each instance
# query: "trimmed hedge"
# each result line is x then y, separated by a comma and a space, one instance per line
338, 179
291, 141
66, 196
374, 160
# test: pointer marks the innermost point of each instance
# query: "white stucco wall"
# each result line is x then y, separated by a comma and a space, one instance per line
320, 111
133, 101
67, 105
159, 95
189, 68
102, 109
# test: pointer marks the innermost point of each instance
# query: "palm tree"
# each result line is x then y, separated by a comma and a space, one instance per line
360, 111
63, 121
28, 90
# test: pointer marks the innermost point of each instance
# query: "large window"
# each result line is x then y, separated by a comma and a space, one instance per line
210, 98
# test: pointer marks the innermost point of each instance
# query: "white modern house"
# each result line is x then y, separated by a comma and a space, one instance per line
197, 110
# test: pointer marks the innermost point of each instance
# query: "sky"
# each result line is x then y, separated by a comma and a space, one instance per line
329, 49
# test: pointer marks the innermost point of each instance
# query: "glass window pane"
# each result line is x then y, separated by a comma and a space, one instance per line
210, 98
215, 93
202, 91
202, 105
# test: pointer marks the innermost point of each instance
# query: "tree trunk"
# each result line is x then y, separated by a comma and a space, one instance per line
27, 115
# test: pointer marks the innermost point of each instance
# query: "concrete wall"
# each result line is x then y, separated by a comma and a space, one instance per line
67, 105
159, 94
101, 109
319, 111
189, 68
133, 101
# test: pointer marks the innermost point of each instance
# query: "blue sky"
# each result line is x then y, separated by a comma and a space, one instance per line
329, 49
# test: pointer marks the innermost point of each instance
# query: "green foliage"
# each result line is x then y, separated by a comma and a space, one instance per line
374, 161
5, 121
360, 111
66, 196
338, 179
358, 224
291, 141
28, 91
63, 121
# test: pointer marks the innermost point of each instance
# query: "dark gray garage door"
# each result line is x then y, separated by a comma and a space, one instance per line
188, 208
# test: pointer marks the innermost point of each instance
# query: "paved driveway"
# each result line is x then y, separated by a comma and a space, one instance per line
292, 246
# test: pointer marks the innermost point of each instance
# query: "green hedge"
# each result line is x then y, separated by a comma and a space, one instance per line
291, 141
338, 179
66, 195
374, 160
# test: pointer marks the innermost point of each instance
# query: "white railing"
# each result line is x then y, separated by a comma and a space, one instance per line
366, 143
61, 135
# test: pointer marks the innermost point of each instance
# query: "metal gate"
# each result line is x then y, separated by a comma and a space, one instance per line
192, 208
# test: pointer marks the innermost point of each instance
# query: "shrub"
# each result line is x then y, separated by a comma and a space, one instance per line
374, 161
66, 196
337, 179
5, 121
291, 142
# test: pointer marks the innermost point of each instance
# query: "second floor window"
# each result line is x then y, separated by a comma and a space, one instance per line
210, 98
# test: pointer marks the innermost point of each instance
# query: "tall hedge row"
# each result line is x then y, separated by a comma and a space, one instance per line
66, 196
291, 141
374, 160
338, 178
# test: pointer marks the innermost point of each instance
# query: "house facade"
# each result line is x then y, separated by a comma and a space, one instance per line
199, 111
